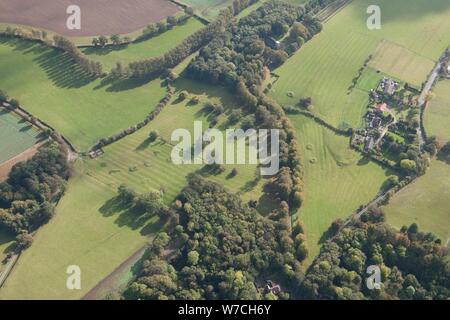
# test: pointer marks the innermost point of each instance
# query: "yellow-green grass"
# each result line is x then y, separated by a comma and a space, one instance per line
143, 165
325, 66
50, 86
337, 180
89, 230
6, 245
402, 63
207, 8
16, 135
437, 112
144, 49
425, 202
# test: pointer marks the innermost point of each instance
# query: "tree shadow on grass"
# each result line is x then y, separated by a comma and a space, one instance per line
62, 70
117, 85
127, 215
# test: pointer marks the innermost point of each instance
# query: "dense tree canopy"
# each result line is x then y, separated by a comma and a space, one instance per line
413, 264
218, 250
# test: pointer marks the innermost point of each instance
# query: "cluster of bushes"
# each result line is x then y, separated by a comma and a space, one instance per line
413, 264
14, 103
26, 196
115, 39
159, 107
219, 249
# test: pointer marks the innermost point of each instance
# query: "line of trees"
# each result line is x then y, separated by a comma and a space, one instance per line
89, 66
157, 65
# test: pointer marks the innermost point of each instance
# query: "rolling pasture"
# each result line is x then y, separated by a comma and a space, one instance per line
437, 112
91, 228
54, 89
144, 49
325, 66
337, 180
16, 135
425, 202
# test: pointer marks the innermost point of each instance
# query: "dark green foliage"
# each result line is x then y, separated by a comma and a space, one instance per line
25, 197
219, 249
413, 264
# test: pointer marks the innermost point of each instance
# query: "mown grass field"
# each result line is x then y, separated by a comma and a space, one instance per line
16, 135
337, 180
51, 87
425, 202
91, 229
144, 49
325, 66
402, 63
437, 112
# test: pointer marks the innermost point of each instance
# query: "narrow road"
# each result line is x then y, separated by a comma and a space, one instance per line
422, 101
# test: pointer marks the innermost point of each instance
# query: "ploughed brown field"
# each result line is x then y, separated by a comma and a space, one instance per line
98, 17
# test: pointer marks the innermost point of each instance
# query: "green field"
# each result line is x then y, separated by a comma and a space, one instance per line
437, 112
145, 49
325, 66
88, 230
91, 229
337, 180
425, 202
208, 8
402, 63
16, 135
53, 89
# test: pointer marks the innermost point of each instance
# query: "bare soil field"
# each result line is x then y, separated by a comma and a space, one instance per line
98, 17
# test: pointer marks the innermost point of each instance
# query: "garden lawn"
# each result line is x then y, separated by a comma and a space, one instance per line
437, 112
337, 180
325, 66
425, 202
50, 86
16, 135
144, 49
